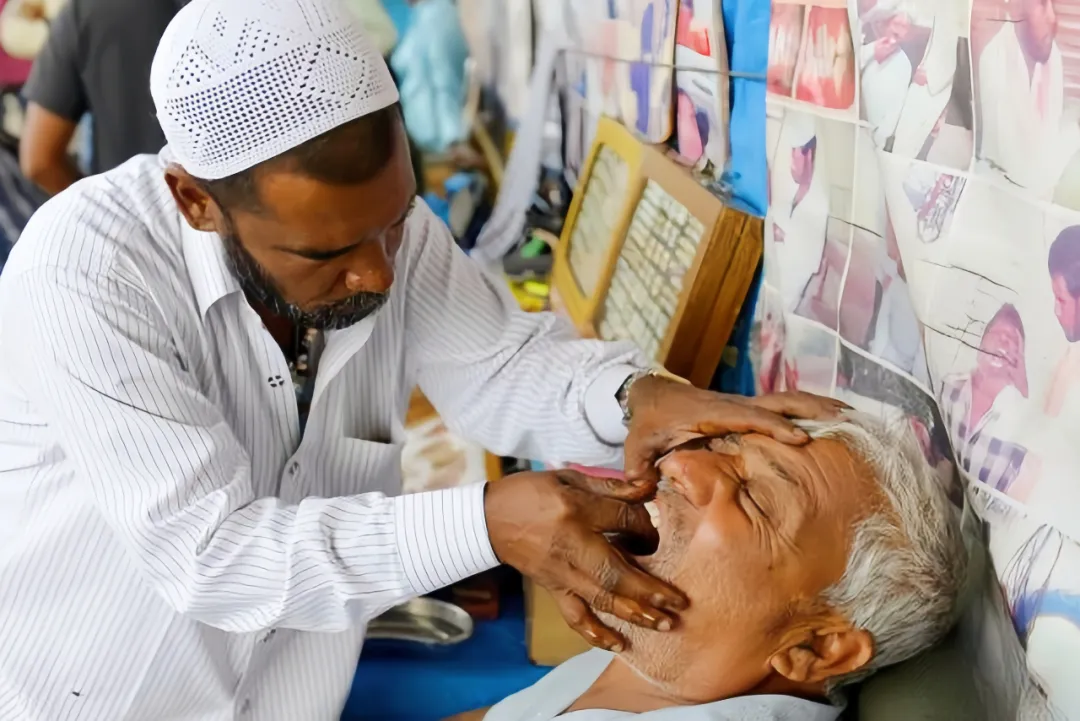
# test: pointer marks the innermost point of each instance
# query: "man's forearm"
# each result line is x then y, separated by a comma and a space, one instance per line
54, 177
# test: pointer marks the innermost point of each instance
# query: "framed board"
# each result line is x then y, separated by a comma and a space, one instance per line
669, 271
597, 218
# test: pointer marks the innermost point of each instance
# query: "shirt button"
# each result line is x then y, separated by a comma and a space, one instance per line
294, 468
246, 706
270, 635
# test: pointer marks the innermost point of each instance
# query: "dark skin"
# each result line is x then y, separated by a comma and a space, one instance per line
321, 243
43, 150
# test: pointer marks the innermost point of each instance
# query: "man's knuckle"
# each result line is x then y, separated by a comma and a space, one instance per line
573, 612
602, 601
607, 576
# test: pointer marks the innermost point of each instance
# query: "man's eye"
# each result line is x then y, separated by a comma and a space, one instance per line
750, 497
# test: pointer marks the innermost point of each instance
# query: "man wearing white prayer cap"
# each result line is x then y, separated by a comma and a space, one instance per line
207, 361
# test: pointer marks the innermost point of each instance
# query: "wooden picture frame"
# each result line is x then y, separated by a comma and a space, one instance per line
678, 265
581, 300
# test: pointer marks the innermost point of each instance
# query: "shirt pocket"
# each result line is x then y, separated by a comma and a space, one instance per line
350, 466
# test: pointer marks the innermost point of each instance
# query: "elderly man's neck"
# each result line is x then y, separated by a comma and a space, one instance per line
621, 688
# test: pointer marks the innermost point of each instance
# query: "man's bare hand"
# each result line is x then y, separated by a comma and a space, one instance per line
665, 414
551, 526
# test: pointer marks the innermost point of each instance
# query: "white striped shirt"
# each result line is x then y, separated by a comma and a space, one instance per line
170, 546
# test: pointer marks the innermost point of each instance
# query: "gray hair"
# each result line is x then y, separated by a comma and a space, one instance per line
908, 563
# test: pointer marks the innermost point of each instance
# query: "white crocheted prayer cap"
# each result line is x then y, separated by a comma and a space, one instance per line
237, 82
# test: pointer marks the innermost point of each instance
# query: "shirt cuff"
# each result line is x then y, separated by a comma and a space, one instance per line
442, 537
602, 409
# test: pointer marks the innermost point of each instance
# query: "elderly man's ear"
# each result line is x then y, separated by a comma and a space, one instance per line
830, 650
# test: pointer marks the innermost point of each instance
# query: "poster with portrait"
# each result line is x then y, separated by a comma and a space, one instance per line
923, 242
701, 86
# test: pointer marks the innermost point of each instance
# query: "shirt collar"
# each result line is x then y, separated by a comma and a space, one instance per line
208, 267
204, 253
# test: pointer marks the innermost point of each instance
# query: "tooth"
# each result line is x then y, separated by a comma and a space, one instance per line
654, 513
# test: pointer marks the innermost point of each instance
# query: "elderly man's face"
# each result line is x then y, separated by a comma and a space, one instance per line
753, 531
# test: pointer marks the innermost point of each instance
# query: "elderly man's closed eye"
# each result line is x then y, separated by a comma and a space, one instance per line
807, 568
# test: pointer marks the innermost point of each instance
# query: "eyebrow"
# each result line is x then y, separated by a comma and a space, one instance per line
315, 254
781, 471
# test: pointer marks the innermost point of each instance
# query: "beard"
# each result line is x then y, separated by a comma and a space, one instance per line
260, 287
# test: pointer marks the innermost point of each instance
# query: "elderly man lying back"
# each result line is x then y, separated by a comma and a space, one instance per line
807, 568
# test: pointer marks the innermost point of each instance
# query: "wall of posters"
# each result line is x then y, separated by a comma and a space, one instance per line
922, 262
701, 107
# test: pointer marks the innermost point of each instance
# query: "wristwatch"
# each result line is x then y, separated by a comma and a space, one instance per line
622, 395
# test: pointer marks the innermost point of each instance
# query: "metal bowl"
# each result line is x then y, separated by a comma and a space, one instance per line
423, 620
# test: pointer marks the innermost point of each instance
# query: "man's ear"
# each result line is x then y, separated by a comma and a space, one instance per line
831, 651
198, 208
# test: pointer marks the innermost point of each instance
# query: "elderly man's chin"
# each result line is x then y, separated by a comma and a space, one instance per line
654, 654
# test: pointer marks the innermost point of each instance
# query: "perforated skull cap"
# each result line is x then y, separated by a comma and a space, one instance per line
238, 82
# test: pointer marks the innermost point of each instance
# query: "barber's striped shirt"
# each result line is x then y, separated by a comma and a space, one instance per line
170, 546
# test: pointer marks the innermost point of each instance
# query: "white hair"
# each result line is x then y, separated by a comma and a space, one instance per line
907, 563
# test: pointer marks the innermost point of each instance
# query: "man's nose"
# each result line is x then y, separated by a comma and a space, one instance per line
698, 474
372, 272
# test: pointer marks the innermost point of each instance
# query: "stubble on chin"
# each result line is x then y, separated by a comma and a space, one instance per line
654, 655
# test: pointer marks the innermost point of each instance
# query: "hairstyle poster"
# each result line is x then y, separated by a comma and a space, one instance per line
922, 262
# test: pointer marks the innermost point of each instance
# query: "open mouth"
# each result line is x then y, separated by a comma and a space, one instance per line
654, 514
635, 544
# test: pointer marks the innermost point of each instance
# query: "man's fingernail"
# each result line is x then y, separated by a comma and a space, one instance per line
664, 625
615, 647
673, 602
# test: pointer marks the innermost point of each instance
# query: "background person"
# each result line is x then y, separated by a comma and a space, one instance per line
1023, 131
867, 574
1063, 264
927, 98
886, 73
798, 209
96, 60
977, 405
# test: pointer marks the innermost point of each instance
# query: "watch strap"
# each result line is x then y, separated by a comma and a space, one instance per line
622, 395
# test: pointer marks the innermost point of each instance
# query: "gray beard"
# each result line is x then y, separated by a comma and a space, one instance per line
655, 655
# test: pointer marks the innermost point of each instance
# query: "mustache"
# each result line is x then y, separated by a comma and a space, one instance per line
341, 314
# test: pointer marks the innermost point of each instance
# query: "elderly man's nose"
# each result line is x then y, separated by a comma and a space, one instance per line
694, 473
